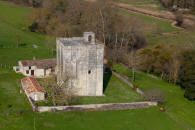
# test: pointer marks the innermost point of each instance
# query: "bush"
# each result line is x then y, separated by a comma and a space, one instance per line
110, 64
179, 19
190, 92
166, 3
33, 27
22, 45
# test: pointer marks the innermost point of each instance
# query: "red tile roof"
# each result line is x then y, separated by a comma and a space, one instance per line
31, 85
41, 64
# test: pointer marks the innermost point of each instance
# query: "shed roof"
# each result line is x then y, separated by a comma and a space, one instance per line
41, 64
31, 85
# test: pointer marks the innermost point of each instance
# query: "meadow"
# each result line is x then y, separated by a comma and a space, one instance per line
146, 4
160, 31
16, 112
150, 26
178, 107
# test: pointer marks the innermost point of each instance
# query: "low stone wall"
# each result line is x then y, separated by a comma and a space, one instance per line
138, 90
32, 103
98, 107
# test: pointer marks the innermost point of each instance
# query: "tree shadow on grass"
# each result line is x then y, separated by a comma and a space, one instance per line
107, 76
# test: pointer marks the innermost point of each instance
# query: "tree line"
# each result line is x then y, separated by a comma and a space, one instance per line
188, 4
32, 3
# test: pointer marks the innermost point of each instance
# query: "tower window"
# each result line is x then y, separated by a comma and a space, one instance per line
89, 72
89, 38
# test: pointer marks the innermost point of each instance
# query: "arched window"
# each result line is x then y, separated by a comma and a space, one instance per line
89, 38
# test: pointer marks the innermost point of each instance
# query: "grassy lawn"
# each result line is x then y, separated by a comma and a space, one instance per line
115, 91
182, 40
149, 25
177, 106
13, 24
16, 113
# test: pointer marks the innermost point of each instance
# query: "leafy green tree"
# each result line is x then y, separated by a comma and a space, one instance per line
187, 77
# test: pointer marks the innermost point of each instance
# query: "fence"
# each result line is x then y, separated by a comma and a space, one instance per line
13, 46
6, 66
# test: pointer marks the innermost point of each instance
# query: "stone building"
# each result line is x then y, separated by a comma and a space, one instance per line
33, 89
82, 58
36, 68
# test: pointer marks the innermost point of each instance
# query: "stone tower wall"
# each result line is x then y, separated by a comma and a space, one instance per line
85, 65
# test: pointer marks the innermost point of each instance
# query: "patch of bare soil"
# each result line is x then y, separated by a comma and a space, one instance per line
148, 5
90, 0
174, 33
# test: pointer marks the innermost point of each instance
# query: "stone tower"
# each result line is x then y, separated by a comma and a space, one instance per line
82, 58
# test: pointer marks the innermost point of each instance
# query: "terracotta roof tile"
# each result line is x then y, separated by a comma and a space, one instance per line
31, 85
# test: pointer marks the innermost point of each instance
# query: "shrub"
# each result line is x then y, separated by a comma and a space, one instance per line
22, 45
33, 27
179, 19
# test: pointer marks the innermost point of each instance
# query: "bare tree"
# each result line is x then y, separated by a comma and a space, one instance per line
60, 93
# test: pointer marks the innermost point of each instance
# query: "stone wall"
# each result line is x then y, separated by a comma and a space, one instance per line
98, 107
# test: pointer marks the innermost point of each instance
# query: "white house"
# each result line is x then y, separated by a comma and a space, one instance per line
33, 89
36, 68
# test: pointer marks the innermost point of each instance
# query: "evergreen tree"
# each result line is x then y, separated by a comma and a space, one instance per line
187, 77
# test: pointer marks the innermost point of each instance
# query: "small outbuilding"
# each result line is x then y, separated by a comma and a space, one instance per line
36, 68
33, 89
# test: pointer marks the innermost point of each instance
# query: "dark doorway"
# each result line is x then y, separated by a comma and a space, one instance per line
32, 72
89, 38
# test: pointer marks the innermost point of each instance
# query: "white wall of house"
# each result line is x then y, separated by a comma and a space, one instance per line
37, 96
39, 73
27, 71
48, 72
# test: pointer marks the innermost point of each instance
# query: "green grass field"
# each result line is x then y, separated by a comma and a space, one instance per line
13, 24
147, 4
115, 91
149, 25
16, 113
183, 40
177, 106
